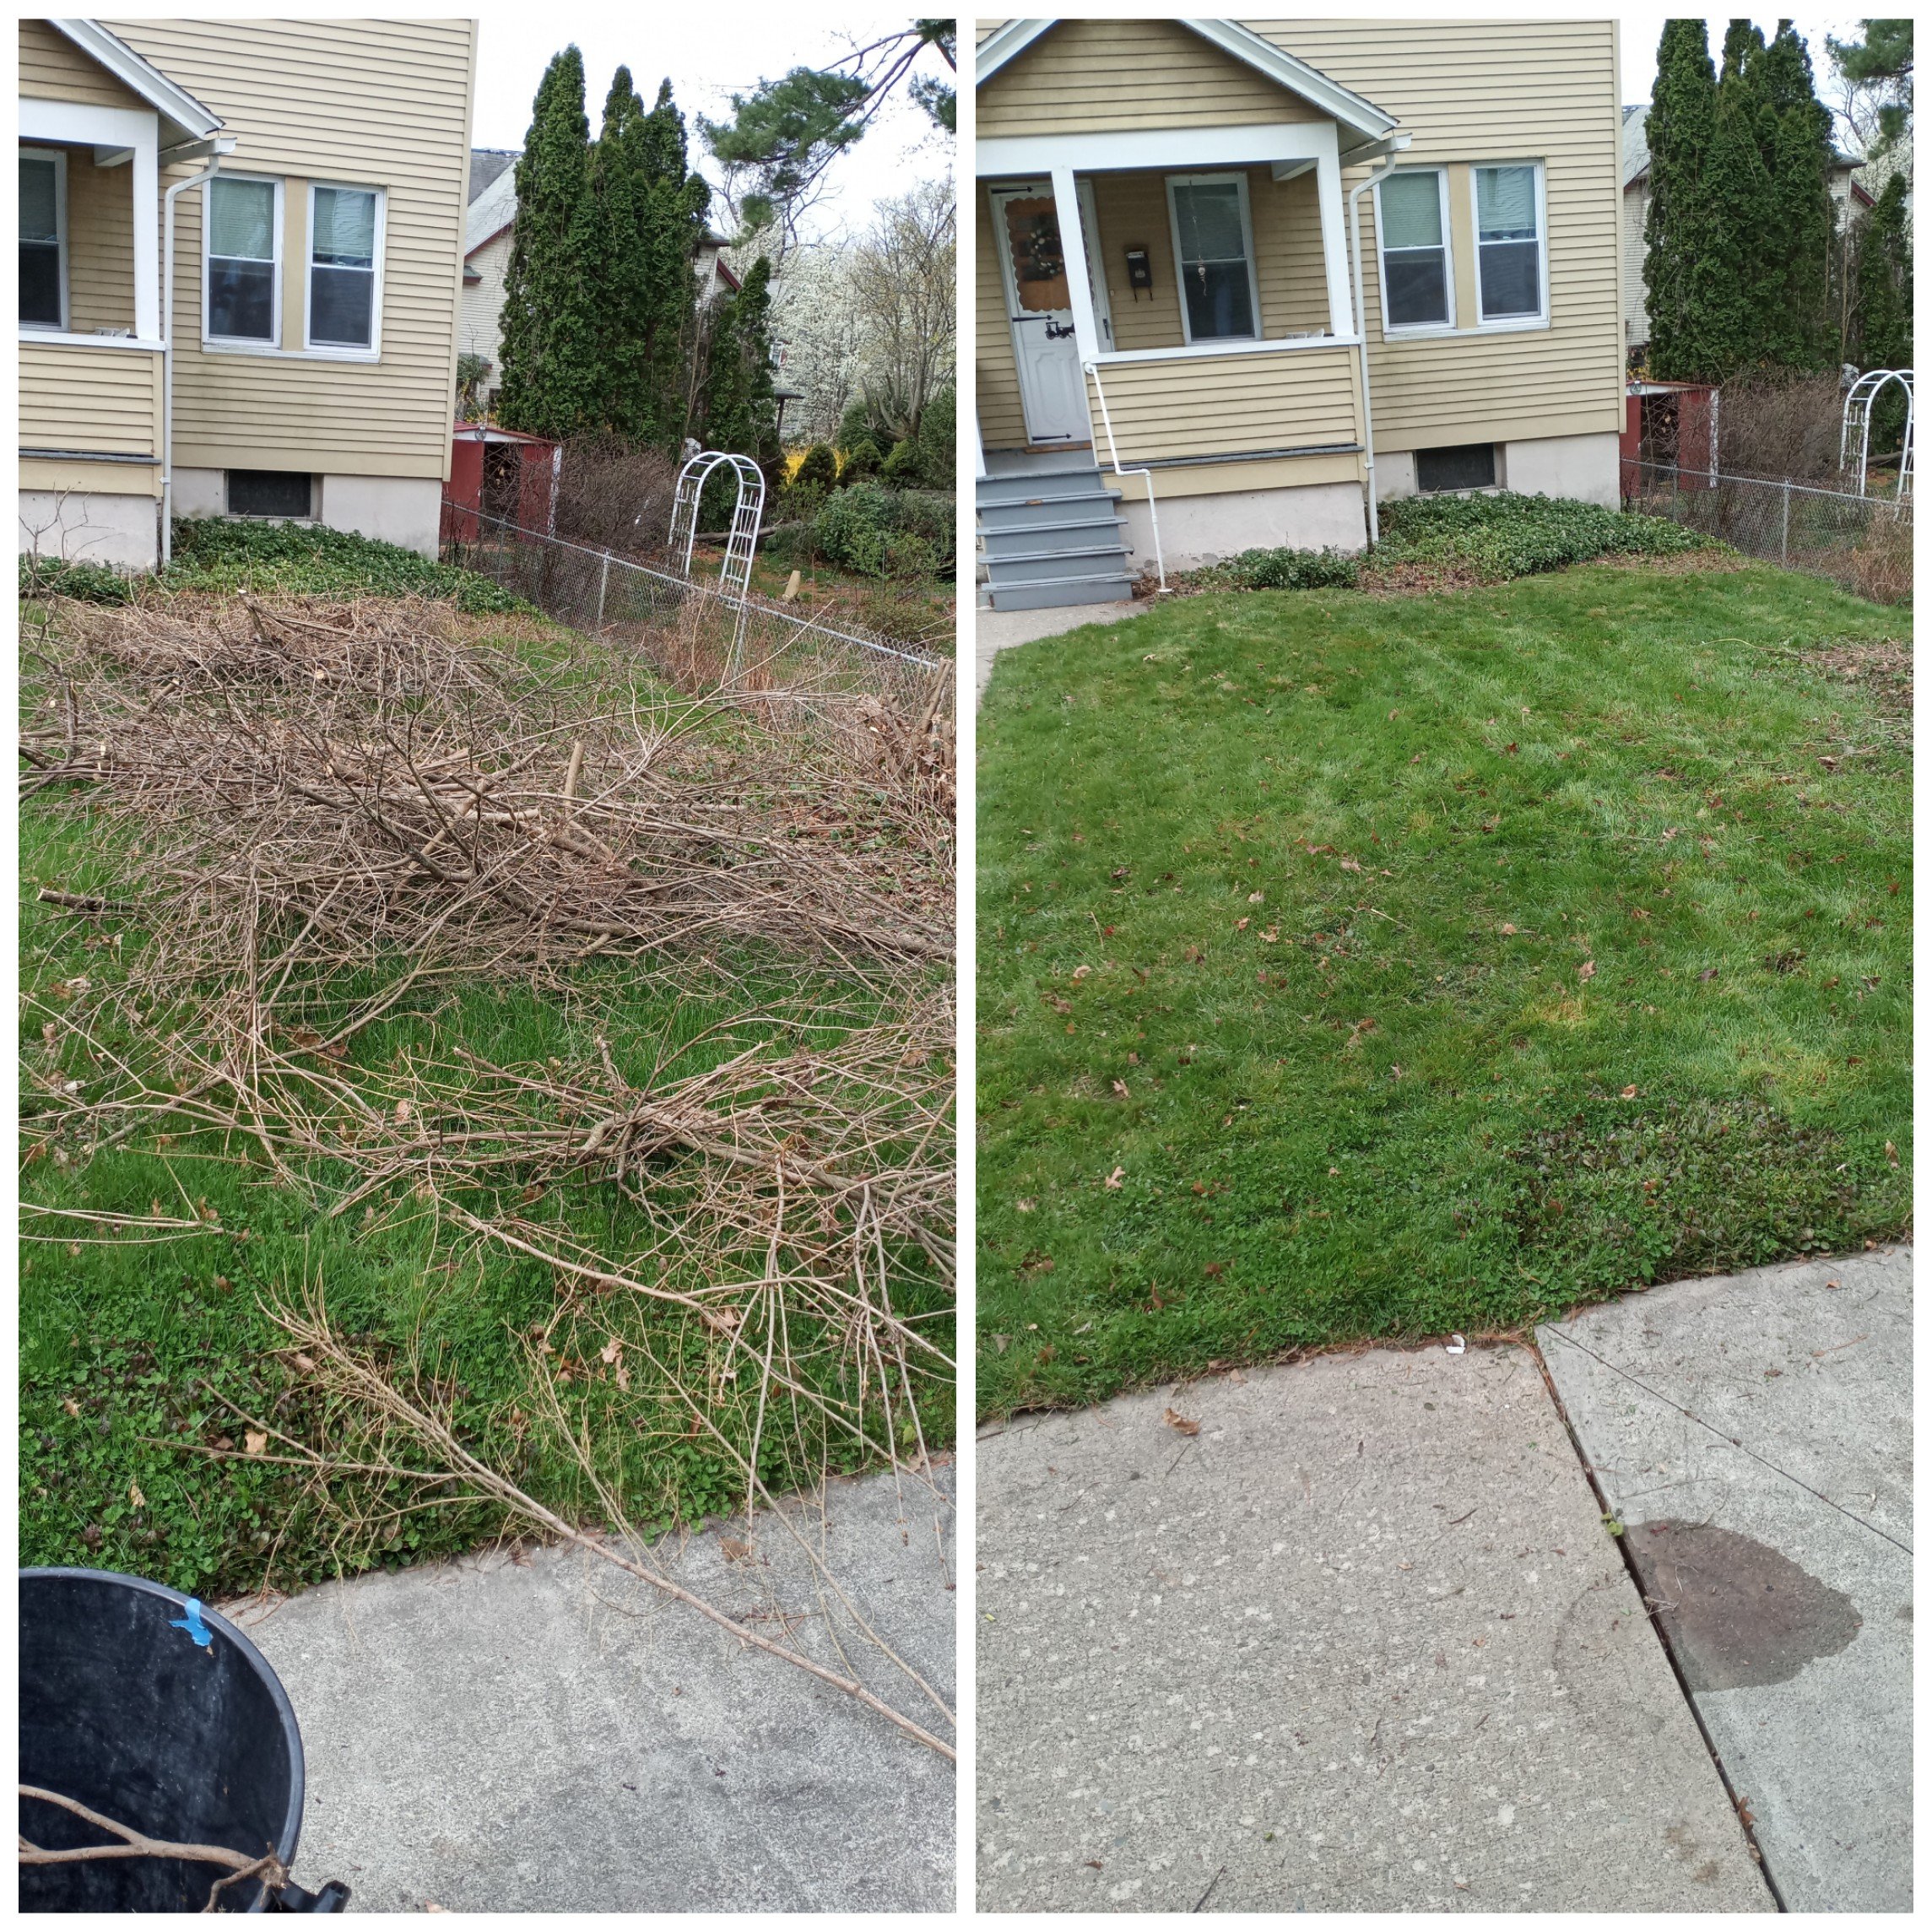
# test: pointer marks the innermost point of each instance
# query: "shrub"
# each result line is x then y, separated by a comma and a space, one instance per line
1496, 537
85, 582
862, 460
1282, 569
939, 441
211, 553
904, 466
879, 532
818, 469
615, 494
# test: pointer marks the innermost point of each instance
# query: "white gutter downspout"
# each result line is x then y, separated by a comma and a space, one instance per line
1393, 146
223, 146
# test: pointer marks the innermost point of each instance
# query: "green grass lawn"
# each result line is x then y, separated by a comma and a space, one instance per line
135, 1350
1356, 967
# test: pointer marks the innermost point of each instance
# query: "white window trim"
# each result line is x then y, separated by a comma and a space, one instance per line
246, 344
338, 352
39, 332
1402, 332
1239, 177
1540, 319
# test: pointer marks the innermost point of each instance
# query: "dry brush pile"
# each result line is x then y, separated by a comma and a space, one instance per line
322, 815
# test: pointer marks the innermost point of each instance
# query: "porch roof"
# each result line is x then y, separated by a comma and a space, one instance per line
1352, 113
180, 113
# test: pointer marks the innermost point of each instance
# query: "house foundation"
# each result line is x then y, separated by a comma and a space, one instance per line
91, 526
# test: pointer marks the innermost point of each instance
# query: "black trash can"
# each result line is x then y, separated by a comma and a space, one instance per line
166, 1720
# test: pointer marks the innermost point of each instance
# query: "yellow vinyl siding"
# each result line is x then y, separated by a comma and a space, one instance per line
86, 398
100, 243
1132, 212
54, 68
1229, 405
381, 104
1090, 76
1467, 93
1002, 422
1475, 92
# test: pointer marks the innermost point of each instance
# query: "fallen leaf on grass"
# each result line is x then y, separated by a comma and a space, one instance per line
1240, 924
1630, 1093
1120, 1088
255, 1441
1024, 1207
1507, 931
1113, 1179
1255, 898
1588, 969
135, 1496
1180, 1424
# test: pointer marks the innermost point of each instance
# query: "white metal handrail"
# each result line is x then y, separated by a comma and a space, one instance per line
1113, 463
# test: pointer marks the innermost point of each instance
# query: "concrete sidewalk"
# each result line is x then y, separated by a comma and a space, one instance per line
542, 1733
1754, 1435
997, 630
1363, 1643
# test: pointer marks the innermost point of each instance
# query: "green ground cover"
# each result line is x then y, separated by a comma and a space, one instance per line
1358, 966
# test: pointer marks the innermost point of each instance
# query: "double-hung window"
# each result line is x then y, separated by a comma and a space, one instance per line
43, 238
1510, 281
244, 255
1412, 217
345, 245
1214, 246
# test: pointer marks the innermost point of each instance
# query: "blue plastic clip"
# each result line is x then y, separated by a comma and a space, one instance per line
193, 1626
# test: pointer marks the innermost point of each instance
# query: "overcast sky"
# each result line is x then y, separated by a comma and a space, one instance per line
709, 50
1641, 32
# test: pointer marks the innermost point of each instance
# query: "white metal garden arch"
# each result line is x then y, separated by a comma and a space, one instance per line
747, 516
1856, 421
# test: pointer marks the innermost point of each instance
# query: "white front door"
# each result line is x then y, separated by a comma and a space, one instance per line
1033, 271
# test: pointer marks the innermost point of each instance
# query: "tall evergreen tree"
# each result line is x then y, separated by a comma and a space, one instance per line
740, 411
674, 201
1796, 132
1882, 311
617, 272
1681, 271
1738, 185
550, 331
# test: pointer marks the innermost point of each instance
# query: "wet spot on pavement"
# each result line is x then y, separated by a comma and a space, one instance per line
1734, 1610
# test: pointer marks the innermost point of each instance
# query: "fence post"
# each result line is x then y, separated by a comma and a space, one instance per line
1784, 528
602, 585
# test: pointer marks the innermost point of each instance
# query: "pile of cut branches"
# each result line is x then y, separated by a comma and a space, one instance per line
319, 817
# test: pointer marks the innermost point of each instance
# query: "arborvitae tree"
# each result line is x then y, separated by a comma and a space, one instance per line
1882, 311
550, 328
1737, 187
1681, 267
1796, 128
618, 272
674, 201
740, 411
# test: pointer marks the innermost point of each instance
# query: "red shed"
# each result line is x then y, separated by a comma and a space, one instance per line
501, 473
1673, 424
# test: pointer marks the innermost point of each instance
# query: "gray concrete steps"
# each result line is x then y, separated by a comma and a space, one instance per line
1051, 537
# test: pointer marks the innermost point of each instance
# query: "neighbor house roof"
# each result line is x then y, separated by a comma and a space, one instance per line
174, 104
1343, 104
486, 163
490, 211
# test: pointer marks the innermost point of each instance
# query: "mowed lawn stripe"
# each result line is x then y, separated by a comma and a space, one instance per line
1360, 966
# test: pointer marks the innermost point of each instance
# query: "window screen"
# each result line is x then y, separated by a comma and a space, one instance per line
269, 492
41, 299
1464, 466
242, 260
1508, 248
1213, 260
1415, 259
341, 268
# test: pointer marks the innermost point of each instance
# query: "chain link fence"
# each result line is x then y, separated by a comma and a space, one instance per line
1863, 542
695, 635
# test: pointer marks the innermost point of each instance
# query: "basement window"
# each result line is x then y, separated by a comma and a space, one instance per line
1461, 466
270, 493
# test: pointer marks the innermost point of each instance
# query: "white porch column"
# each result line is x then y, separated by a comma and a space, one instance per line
1335, 235
1073, 252
145, 184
